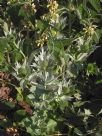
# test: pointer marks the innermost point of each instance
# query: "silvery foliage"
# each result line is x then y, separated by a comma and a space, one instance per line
44, 76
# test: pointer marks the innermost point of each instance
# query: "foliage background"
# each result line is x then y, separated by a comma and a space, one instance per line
50, 67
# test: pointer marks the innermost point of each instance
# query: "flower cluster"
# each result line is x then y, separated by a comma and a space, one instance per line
34, 7
42, 40
12, 1
89, 29
71, 7
12, 131
53, 6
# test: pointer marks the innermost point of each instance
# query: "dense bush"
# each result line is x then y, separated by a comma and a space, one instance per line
50, 71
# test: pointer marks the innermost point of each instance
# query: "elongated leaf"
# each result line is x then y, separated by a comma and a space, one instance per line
95, 4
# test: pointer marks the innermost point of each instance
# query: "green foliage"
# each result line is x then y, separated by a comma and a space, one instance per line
45, 46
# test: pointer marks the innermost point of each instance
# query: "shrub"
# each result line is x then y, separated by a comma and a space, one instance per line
46, 81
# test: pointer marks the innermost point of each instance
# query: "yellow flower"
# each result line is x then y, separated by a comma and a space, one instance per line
12, 1
71, 7
34, 7
89, 29
54, 18
11, 129
52, 5
45, 17
77, 96
42, 40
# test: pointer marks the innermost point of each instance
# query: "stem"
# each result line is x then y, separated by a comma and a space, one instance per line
70, 23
